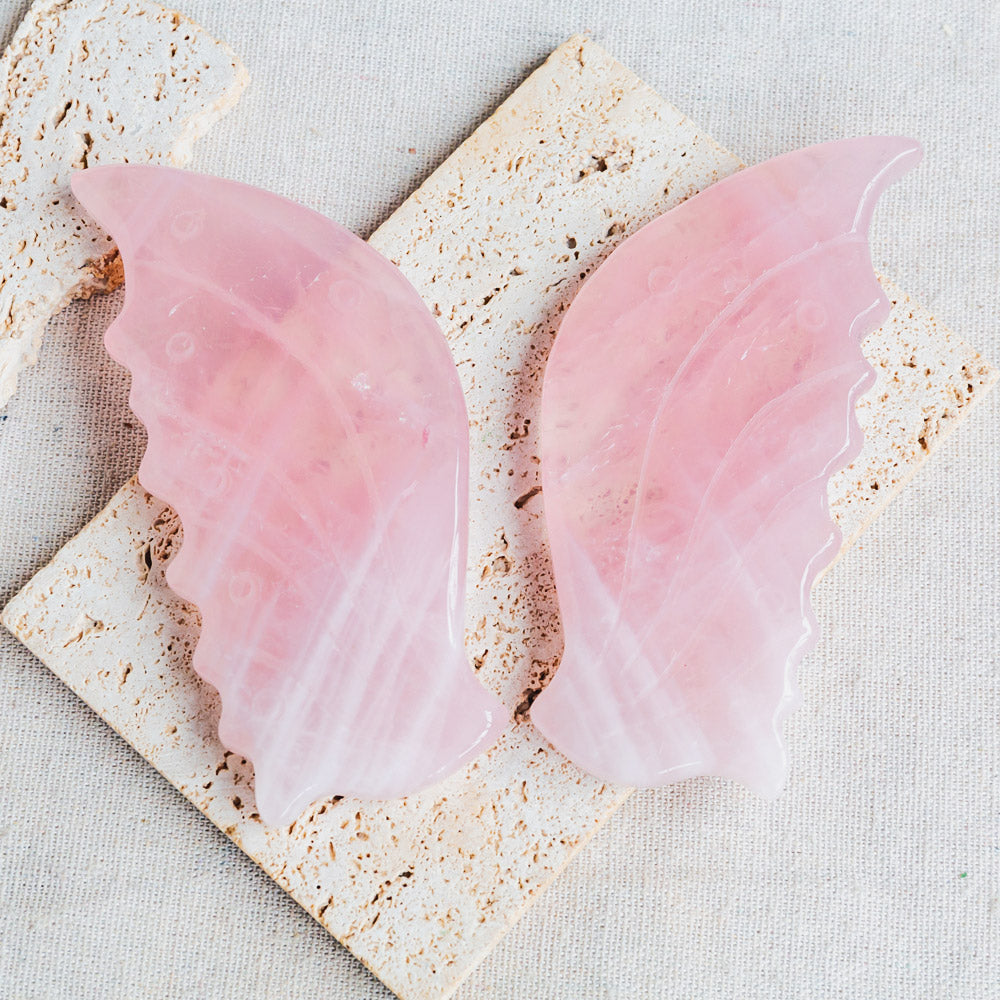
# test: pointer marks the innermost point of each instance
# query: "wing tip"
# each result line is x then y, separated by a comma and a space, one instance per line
892, 156
756, 758
108, 192
282, 794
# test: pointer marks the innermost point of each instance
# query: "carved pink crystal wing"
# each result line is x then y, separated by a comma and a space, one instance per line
699, 394
307, 424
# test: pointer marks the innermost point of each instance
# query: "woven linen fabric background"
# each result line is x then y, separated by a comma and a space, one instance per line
877, 873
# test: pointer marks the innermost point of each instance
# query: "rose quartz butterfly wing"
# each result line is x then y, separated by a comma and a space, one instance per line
699, 394
306, 421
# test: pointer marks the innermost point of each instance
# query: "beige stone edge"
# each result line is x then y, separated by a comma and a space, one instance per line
110, 29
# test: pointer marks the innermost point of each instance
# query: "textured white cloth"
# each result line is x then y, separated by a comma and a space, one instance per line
877, 874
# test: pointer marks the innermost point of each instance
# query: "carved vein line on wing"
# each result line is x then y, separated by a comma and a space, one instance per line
263, 324
587, 692
362, 570
217, 435
702, 756
655, 674
696, 531
724, 313
864, 374
802, 388
317, 645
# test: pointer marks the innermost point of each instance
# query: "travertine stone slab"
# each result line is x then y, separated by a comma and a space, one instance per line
497, 241
85, 82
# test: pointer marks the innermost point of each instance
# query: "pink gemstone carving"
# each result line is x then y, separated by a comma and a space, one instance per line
307, 423
699, 395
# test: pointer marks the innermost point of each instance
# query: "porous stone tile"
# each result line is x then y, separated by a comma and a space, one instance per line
85, 82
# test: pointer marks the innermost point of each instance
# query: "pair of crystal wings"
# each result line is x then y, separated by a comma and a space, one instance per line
307, 423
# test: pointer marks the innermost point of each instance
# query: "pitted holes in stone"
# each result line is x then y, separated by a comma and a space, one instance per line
187, 225
180, 347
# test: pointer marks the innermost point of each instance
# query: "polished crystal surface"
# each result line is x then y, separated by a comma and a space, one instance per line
306, 422
699, 395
